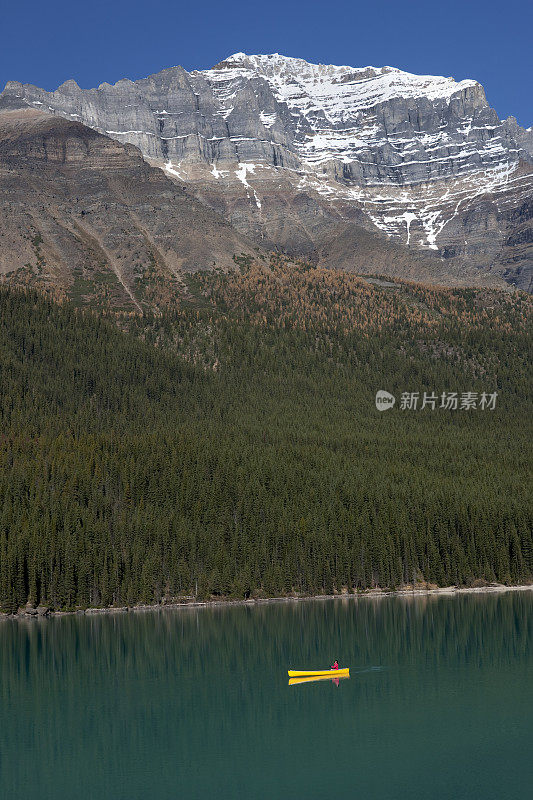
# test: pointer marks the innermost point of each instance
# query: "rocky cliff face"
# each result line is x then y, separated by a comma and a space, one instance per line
290, 151
84, 216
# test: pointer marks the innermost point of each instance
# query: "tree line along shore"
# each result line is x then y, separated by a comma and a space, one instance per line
230, 447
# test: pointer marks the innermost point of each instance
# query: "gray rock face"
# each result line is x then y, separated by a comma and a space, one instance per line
86, 217
287, 149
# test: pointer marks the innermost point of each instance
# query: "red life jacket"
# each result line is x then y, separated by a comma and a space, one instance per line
335, 665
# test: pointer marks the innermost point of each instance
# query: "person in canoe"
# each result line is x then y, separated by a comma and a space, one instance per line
335, 665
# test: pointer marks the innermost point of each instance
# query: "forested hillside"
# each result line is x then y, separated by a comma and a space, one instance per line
232, 447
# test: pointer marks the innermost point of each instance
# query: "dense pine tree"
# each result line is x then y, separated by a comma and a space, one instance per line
232, 447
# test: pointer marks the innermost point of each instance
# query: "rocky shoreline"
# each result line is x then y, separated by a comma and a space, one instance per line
44, 612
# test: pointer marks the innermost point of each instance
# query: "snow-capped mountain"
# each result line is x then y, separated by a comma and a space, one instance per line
293, 153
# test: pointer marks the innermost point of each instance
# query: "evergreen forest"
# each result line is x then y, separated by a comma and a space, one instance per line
229, 446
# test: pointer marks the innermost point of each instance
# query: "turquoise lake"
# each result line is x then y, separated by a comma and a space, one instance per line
195, 703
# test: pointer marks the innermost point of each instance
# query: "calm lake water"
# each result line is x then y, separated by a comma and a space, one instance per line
195, 703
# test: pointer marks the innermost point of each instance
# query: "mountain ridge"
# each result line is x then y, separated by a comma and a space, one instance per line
288, 151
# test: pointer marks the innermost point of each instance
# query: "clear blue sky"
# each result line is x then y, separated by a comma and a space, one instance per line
92, 41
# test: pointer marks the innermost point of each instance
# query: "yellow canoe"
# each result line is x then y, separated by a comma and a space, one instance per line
316, 673
314, 678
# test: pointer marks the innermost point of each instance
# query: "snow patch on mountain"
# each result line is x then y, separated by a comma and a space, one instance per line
337, 90
414, 153
382, 138
241, 174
